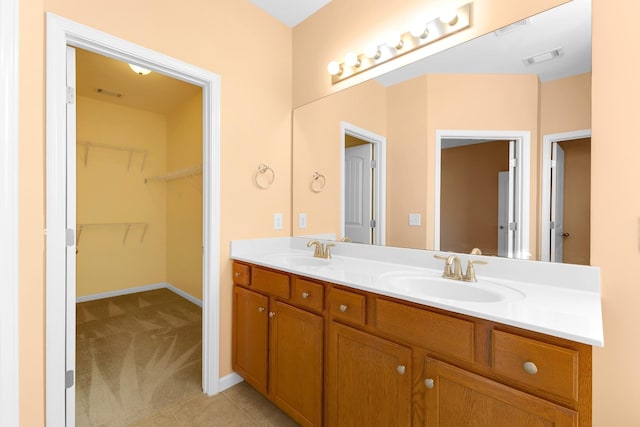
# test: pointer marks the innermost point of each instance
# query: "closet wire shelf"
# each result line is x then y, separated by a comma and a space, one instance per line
131, 150
177, 174
126, 225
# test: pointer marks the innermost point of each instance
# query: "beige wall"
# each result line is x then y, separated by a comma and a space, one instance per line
316, 129
184, 198
407, 173
469, 196
255, 128
565, 104
109, 192
614, 210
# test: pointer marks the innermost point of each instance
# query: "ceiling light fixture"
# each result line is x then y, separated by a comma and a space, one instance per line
139, 70
420, 33
544, 56
352, 60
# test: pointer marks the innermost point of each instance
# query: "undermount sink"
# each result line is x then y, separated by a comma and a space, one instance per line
428, 286
299, 260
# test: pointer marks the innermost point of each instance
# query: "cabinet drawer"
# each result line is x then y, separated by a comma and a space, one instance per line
441, 334
348, 306
276, 284
546, 367
241, 274
308, 294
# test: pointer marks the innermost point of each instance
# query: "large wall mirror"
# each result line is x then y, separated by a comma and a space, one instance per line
485, 145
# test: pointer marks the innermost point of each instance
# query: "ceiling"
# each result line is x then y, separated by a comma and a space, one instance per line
290, 12
153, 92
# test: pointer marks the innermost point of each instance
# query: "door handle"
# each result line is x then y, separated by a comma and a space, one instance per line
565, 235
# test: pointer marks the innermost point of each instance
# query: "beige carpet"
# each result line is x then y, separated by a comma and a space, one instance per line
135, 356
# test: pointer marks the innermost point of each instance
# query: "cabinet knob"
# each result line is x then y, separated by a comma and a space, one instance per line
236, 274
429, 383
260, 309
530, 368
400, 369
343, 307
305, 295
272, 314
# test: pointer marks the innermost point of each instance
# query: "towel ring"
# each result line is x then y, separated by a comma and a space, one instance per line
318, 182
262, 171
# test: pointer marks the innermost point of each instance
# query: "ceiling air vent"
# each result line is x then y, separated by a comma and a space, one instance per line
543, 57
510, 28
108, 92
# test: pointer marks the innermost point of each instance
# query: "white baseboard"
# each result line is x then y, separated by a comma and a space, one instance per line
144, 288
183, 294
229, 381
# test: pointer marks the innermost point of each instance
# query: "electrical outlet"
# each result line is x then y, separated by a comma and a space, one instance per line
302, 220
414, 219
277, 221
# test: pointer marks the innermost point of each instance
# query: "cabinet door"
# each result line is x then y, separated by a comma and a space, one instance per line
455, 397
369, 380
250, 336
295, 362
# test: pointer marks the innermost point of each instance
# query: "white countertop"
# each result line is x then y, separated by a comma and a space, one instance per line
561, 300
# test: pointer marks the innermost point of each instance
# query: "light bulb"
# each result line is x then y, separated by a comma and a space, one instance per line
419, 30
139, 70
371, 51
352, 60
334, 68
394, 41
449, 15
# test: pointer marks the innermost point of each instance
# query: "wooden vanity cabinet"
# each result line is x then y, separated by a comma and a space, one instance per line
456, 397
277, 347
369, 380
393, 362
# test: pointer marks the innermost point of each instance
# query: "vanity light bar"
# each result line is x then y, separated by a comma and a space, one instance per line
401, 44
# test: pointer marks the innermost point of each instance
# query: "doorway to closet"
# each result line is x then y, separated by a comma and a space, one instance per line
138, 240
61, 225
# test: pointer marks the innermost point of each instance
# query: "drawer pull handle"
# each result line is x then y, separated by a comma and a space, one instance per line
530, 368
272, 314
343, 307
400, 369
305, 295
429, 383
260, 309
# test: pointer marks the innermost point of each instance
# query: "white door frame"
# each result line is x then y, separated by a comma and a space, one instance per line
60, 33
521, 247
9, 214
379, 144
545, 191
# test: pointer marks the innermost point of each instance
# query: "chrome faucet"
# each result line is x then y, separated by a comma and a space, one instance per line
453, 268
322, 250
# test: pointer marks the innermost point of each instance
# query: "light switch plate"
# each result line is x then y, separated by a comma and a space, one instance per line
302, 220
414, 219
277, 221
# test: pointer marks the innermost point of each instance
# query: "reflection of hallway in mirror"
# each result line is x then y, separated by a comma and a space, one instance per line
470, 195
576, 220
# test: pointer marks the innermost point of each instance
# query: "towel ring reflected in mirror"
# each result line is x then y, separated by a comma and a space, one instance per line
318, 182
264, 176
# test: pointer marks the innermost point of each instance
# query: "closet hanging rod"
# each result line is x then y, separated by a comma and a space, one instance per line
131, 150
177, 174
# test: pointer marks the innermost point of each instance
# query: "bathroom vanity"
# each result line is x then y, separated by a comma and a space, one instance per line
353, 340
